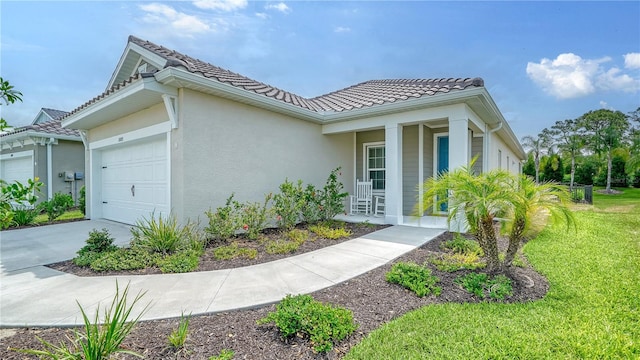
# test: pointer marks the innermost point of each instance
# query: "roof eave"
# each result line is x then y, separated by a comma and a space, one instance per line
182, 78
31, 133
132, 98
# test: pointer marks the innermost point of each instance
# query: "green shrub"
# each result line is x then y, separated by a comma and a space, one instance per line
82, 200
20, 194
225, 221
123, 259
311, 210
57, 206
164, 235
181, 262
24, 216
225, 354
254, 217
460, 245
288, 204
324, 324
281, 247
233, 251
6, 217
98, 243
101, 337
415, 278
481, 285
456, 261
332, 200
324, 230
178, 337
298, 236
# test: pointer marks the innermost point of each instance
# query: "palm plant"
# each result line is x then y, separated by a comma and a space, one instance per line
531, 202
481, 200
537, 146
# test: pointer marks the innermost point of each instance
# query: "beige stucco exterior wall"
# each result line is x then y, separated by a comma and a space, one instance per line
223, 147
141, 119
508, 158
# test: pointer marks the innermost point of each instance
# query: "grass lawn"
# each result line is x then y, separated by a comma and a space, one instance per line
592, 310
69, 215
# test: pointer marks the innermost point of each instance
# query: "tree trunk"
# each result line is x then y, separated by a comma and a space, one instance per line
490, 247
537, 161
515, 238
609, 165
573, 172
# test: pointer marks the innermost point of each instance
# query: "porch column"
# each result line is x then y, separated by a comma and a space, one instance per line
458, 143
458, 156
393, 175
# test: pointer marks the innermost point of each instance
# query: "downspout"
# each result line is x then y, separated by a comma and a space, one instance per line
49, 170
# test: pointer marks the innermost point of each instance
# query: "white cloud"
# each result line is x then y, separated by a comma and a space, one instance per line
262, 15
341, 29
632, 61
183, 24
224, 5
282, 7
570, 76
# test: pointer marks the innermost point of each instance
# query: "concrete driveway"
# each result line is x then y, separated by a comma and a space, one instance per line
25, 248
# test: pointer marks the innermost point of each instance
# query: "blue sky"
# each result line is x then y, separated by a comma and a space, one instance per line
541, 61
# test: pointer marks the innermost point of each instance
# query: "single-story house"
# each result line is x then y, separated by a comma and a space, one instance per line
46, 150
175, 134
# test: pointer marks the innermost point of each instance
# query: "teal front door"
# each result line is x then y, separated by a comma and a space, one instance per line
443, 165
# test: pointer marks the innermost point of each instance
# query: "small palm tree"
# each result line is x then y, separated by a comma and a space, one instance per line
481, 200
534, 203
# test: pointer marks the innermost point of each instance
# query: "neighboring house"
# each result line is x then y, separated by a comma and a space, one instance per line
44, 150
174, 134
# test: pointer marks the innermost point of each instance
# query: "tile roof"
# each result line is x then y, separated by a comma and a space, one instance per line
53, 127
55, 114
363, 95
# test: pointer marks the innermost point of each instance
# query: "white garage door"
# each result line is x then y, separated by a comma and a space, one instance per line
134, 181
17, 169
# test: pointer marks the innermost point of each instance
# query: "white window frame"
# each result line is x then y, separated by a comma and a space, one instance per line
366, 169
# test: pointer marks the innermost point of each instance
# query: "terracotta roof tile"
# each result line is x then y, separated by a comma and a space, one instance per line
55, 114
366, 94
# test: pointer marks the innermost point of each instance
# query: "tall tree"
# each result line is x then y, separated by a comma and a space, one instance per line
605, 131
537, 146
568, 139
8, 95
634, 138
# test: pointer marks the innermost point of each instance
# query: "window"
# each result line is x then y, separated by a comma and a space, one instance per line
375, 171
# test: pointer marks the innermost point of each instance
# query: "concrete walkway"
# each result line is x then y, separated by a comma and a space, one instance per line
34, 295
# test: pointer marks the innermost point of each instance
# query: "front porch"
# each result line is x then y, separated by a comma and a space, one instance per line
428, 222
398, 155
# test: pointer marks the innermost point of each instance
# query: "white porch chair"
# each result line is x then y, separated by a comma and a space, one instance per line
378, 206
362, 200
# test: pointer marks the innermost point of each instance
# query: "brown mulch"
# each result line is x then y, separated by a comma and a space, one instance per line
372, 300
43, 224
208, 262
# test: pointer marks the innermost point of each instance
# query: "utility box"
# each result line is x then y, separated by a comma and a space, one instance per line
79, 175
69, 176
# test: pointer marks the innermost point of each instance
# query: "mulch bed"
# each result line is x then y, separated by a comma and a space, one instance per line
43, 224
208, 262
372, 300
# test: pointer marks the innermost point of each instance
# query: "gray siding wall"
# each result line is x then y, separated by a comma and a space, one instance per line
476, 149
427, 159
67, 156
361, 139
410, 168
